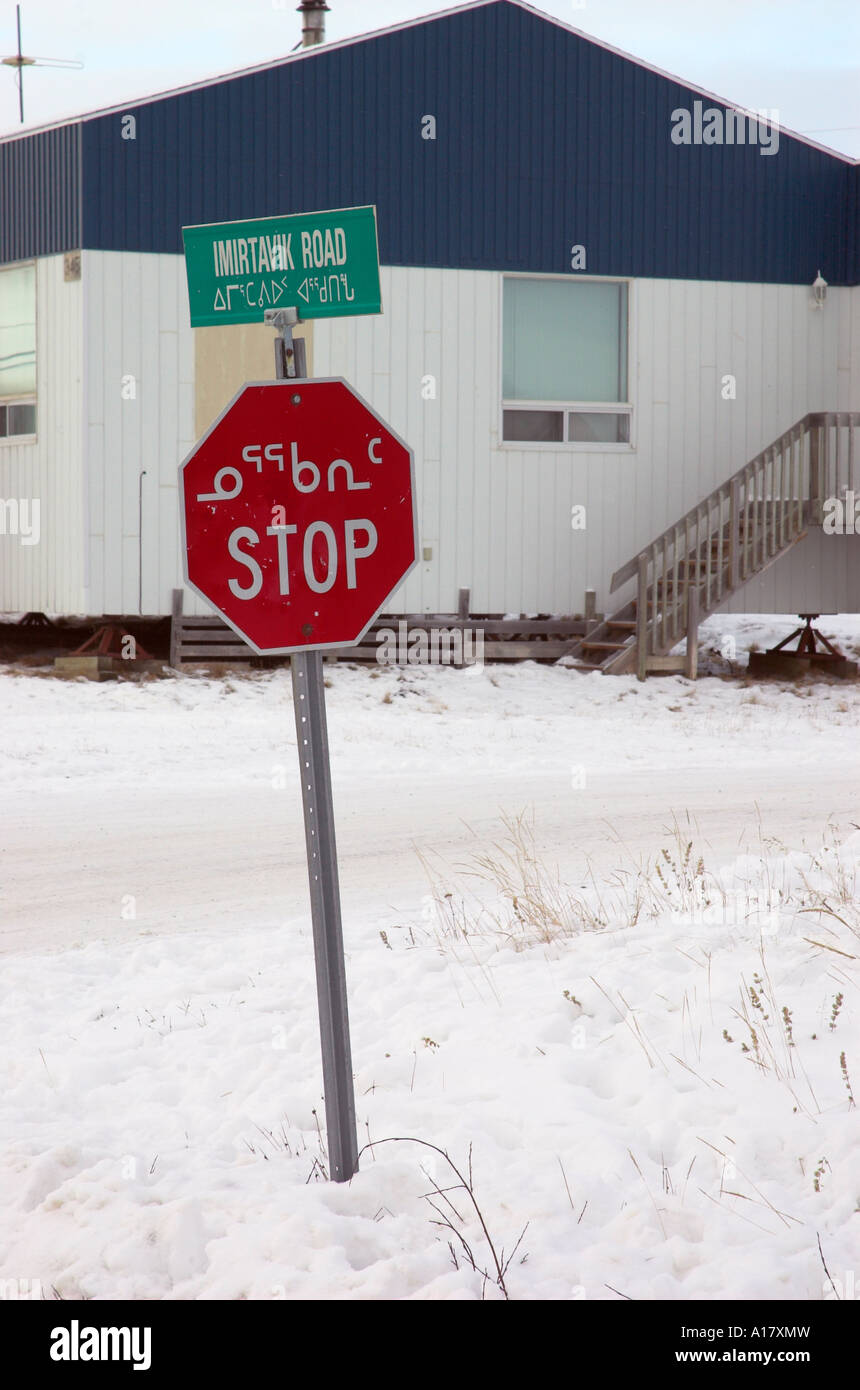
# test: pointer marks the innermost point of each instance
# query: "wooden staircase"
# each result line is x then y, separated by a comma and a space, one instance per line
735, 533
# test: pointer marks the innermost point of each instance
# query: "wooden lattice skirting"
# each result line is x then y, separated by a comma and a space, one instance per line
504, 639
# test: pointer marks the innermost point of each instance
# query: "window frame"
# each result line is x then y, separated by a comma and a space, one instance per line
565, 445
31, 397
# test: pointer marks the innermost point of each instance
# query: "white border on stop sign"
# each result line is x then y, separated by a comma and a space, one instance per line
290, 383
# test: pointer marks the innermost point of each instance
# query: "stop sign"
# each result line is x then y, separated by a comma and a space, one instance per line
298, 518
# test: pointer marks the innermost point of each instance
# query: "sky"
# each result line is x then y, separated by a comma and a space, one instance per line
798, 57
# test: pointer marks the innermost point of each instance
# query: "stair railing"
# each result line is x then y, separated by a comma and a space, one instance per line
740, 528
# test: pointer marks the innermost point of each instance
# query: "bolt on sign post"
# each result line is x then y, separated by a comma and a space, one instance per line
298, 523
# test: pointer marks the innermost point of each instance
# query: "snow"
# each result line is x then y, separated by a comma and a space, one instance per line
161, 1111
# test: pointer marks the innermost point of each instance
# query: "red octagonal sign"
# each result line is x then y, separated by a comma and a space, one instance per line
298, 517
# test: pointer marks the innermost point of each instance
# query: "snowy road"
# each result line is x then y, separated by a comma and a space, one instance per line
193, 860
181, 798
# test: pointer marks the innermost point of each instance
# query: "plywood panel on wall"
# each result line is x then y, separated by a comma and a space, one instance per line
226, 357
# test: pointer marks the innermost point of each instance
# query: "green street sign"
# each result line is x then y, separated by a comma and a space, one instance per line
325, 264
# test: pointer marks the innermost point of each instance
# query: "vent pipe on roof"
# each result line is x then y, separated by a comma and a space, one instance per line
313, 13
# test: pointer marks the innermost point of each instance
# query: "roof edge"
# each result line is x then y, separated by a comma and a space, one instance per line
301, 55
307, 54
673, 77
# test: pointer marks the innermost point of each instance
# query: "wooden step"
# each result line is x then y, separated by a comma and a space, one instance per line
603, 646
626, 624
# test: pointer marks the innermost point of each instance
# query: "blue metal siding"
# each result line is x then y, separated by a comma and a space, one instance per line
853, 221
40, 184
544, 139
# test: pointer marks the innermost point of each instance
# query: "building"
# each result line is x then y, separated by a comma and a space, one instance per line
597, 295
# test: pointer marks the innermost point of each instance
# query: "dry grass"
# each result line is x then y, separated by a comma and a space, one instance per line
511, 895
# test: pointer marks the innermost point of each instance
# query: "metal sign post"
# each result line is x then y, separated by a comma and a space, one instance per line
315, 772
342, 484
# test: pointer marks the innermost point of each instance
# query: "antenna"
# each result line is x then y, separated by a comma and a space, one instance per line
20, 62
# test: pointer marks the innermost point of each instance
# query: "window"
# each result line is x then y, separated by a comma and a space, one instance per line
564, 362
17, 351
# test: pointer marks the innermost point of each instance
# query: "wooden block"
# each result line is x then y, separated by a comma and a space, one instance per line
667, 663
216, 652
94, 668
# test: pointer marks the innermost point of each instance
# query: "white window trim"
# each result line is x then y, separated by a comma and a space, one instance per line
628, 407
10, 439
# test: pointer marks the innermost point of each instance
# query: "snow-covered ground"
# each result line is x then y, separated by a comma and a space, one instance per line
651, 1069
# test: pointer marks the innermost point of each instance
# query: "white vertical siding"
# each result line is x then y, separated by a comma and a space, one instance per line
820, 574
137, 334
498, 517
48, 577
848, 366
